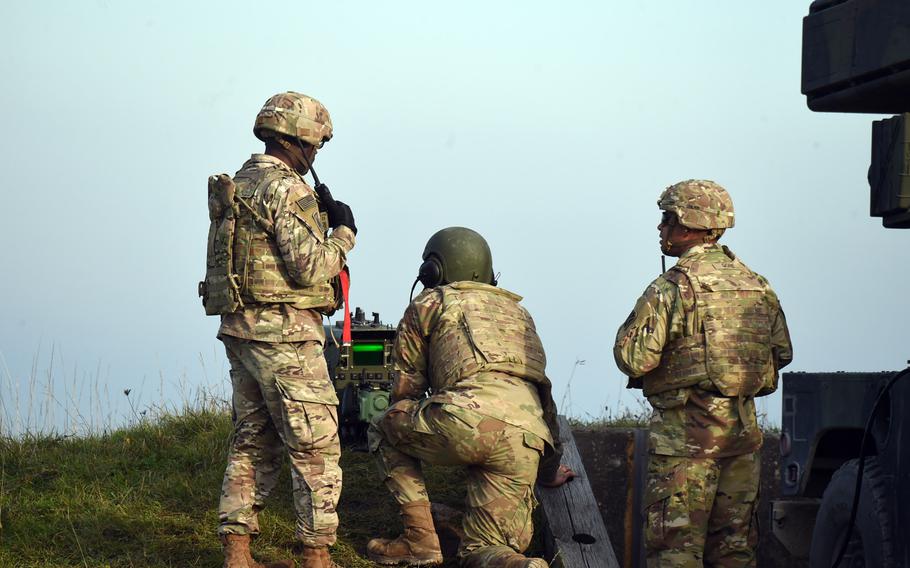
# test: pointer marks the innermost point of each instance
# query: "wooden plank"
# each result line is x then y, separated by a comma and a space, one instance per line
575, 533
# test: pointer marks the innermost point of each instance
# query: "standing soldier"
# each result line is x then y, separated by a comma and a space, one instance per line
476, 351
272, 273
703, 341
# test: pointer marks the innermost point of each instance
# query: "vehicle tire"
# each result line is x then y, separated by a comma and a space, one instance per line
871, 543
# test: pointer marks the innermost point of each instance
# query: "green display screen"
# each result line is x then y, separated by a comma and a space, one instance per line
368, 354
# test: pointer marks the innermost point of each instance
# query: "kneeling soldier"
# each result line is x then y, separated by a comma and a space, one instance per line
476, 350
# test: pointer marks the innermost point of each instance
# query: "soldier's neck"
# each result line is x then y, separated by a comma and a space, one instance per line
276, 151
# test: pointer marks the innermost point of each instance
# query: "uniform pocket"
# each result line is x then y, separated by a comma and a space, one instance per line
304, 389
534, 442
664, 500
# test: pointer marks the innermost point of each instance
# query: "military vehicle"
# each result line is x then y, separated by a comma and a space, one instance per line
361, 372
856, 58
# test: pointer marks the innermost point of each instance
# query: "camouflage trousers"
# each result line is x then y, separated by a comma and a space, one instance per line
701, 511
501, 463
273, 415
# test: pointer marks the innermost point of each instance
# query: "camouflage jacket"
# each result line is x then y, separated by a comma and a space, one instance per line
473, 346
308, 260
694, 421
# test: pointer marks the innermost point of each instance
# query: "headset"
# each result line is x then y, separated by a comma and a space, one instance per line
430, 273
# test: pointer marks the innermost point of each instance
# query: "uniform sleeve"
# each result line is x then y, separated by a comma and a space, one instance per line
781, 346
552, 457
641, 338
309, 258
411, 348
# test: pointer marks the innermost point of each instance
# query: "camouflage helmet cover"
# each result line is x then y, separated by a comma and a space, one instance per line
295, 115
699, 204
463, 254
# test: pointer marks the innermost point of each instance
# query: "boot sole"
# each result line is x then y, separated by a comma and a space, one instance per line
410, 560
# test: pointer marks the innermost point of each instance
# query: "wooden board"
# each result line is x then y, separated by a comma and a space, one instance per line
575, 533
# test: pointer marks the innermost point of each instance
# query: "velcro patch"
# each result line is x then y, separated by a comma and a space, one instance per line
306, 208
306, 202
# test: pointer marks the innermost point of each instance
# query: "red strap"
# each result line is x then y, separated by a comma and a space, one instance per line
345, 286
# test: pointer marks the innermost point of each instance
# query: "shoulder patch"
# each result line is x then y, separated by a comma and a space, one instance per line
306, 202
306, 208
675, 275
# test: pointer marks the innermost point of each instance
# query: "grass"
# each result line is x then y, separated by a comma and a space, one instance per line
146, 495
624, 418
75, 491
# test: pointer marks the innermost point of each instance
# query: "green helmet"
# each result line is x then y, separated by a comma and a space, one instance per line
295, 115
699, 204
456, 254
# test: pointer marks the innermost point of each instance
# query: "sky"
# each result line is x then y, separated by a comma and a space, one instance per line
549, 128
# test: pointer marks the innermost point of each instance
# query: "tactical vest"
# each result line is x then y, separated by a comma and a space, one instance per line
482, 328
243, 259
733, 346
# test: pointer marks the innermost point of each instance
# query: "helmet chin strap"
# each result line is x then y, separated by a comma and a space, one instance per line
306, 162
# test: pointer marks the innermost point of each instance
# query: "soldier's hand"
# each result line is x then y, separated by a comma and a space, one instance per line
342, 216
339, 213
563, 475
322, 191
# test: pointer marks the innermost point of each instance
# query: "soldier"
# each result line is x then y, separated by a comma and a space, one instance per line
283, 400
476, 351
703, 341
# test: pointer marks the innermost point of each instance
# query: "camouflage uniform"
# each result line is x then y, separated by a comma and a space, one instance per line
704, 339
476, 351
283, 399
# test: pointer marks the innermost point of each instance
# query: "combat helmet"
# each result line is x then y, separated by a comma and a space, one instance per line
456, 254
295, 115
698, 204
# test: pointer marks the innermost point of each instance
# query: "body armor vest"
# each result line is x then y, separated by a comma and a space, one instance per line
732, 348
263, 276
243, 263
482, 328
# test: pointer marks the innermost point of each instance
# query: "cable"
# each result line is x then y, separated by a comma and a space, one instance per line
862, 462
414, 285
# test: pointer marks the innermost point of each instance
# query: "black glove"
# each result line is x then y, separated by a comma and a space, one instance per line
322, 191
342, 215
339, 213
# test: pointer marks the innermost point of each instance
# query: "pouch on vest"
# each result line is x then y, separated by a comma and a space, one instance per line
737, 324
220, 291
502, 336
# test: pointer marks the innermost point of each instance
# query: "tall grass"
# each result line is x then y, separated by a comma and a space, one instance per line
54, 399
146, 495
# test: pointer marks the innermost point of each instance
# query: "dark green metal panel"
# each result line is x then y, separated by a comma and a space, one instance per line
889, 173
856, 56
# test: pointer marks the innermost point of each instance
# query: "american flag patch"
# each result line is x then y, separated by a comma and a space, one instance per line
306, 202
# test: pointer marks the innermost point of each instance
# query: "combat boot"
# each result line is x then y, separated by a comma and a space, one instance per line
418, 546
316, 558
516, 560
236, 549
500, 557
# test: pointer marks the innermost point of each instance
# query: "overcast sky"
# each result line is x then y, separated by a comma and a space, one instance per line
550, 128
